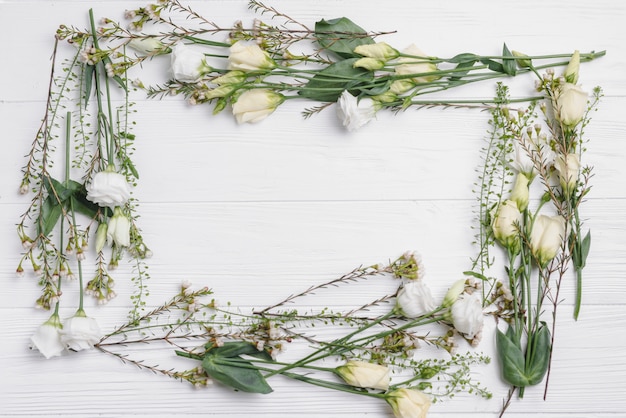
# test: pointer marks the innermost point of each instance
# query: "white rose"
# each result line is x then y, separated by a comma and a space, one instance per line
256, 104
108, 188
414, 299
408, 403
80, 333
546, 237
47, 338
417, 63
248, 56
118, 229
467, 314
188, 65
570, 104
355, 113
364, 375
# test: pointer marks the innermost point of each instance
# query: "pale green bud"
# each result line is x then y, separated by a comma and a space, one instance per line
364, 375
381, 51
571, 71
505, 224
101, 236
453, 293
371, 64
547, 237
519, 194
522, 59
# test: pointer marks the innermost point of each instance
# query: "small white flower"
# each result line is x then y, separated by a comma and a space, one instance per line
354, 113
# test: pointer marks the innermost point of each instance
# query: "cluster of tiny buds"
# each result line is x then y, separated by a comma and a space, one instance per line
24, 188
448, 342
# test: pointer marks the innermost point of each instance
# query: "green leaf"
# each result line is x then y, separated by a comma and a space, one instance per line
467, 65
328, 84
50, 213
511, 359
539, 360
585, 246
88, 76
508, 63
233, 348
475, 275
337, 35
81, 205
240, 375
465, 57
493, 65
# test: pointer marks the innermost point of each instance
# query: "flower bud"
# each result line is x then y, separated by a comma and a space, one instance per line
381, 51
248, 56
467, 314
149, 46
568, 167
408, 403
546, 237
453, 293
118, 229
519, 194
414, 61
101, 236
570, 104
505, 224
371, 64
256, 104
571, 71
522, 59
364, 375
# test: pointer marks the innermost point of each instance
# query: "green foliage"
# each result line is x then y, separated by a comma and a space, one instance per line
341, 36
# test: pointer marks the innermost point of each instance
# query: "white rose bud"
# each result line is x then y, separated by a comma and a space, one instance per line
47, 338
101, 236
408, 403
108, 189
256, 104
188, 65
568, 167
453, 293
414, 299
570, 104
80, 332
364, 375
248, 56
355, 113
467, 314
546, 237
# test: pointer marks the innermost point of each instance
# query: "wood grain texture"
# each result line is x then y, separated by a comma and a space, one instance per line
258, 212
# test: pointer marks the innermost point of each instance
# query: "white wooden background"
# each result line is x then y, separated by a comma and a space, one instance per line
256, 212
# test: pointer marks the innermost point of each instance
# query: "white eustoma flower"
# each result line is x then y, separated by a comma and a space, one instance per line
188, 65
568, 167
147, 46
47, 338
364, 375
248, 56
256, 104
570, 104
506, 221
522, 162
109, 189
418, 63
118, 229
408, 403
80, 332
353, 112
467, 314
546, 237
414, 299
520, 192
